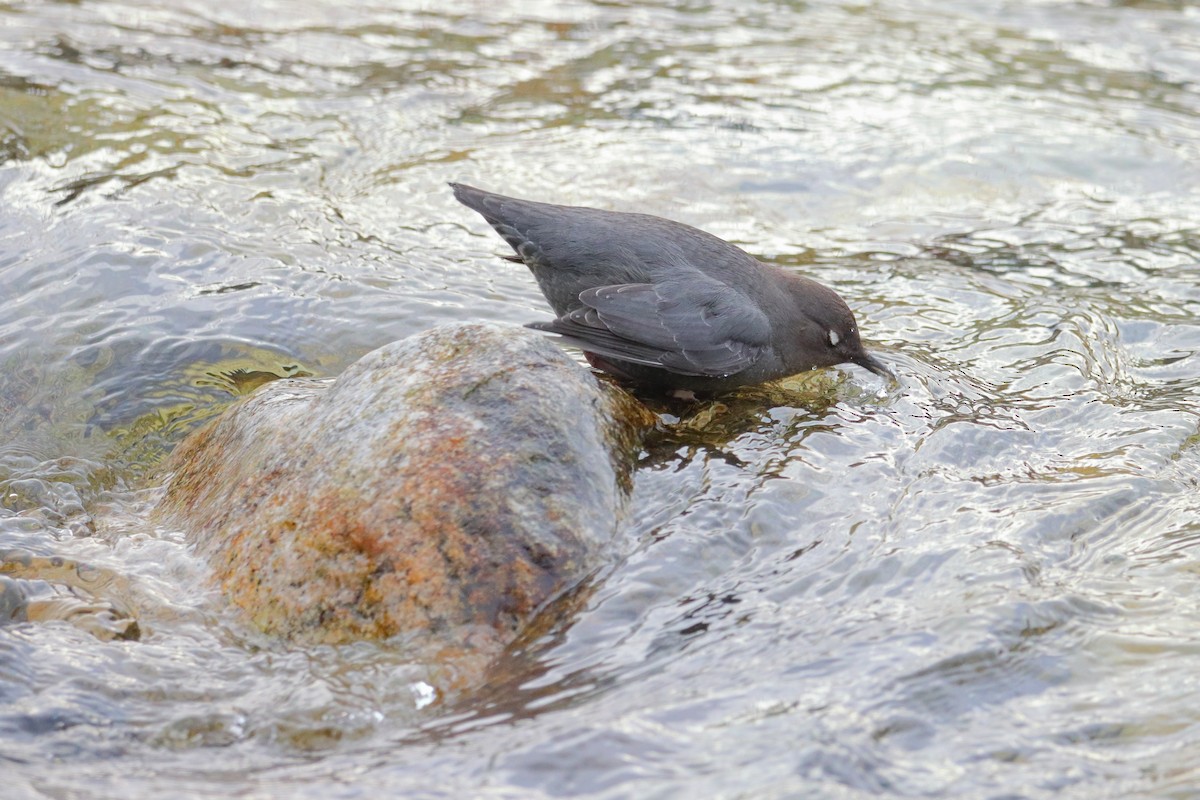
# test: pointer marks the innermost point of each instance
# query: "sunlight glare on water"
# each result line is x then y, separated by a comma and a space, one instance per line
977, 582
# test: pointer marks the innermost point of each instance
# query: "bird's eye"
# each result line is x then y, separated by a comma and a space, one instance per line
834, 338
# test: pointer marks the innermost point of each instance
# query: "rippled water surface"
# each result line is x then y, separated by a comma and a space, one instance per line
981, 582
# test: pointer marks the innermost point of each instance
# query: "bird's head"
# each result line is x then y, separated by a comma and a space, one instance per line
828, 334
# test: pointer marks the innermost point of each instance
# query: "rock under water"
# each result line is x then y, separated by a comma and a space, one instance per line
453, 482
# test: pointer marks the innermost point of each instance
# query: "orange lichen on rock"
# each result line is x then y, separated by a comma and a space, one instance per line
455, 481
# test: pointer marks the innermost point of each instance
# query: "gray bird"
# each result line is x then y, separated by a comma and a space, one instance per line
662, 305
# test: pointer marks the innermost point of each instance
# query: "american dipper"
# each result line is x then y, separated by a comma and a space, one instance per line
662, 305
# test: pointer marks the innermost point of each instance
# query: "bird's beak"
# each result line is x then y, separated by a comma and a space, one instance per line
868, 361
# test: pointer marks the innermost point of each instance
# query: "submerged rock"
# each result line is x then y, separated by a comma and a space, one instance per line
450, 483
36, 588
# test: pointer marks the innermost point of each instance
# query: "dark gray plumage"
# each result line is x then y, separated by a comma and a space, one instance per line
664, 305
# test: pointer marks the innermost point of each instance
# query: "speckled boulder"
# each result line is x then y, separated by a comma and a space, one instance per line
449, 483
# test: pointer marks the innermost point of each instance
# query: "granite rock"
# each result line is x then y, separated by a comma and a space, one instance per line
449, 485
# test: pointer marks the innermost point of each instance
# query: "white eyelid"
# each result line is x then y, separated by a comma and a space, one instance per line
834, 338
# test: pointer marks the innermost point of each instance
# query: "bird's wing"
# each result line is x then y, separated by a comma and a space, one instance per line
693, 327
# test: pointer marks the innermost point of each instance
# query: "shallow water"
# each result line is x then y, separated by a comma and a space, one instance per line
980, 582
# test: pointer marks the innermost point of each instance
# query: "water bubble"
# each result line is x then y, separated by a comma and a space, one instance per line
423, 694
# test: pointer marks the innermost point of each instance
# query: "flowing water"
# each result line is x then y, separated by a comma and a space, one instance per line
979, 582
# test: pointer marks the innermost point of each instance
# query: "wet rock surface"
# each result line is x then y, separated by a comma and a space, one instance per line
452, 483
